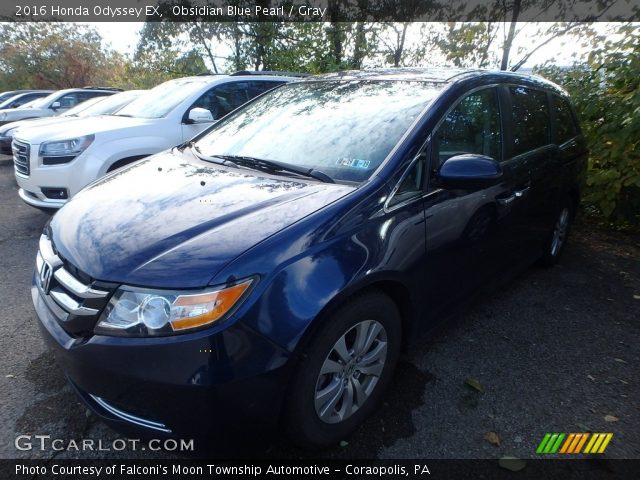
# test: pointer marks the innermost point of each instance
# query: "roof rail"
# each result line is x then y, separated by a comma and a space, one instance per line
114, 89
270, 72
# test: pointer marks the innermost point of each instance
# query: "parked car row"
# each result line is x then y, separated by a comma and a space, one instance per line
18, 98
267, 269
49, 104
54, 161
103, 105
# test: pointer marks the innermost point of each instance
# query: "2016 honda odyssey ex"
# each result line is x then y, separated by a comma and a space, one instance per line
271, 271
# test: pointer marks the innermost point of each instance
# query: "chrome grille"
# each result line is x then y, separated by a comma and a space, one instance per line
20, 157
75, 303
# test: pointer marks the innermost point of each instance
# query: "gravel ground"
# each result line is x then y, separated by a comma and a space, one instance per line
555, 350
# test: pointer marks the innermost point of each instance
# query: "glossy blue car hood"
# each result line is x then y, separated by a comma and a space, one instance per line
172, 221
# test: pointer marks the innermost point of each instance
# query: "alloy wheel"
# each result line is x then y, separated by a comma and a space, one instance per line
560, 231
351, 371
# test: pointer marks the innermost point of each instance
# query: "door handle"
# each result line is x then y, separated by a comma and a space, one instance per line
514, 195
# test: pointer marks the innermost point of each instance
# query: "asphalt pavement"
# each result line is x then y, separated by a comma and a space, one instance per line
555, 350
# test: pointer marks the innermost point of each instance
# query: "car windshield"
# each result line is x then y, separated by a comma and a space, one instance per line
6, 95
44, 101
161, 100
103, 105
344, 129
75, 111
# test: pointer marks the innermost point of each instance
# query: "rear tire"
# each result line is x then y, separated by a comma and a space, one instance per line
557, 239
347, 367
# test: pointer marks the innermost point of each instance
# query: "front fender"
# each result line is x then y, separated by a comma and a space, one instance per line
114, 150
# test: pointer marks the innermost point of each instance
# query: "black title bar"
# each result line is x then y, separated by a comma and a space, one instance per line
584, 469
320, 10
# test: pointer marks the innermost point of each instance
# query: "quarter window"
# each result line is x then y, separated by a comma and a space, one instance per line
530, 119
473, 126
565, 123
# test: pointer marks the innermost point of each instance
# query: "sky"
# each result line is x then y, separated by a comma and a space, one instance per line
123, 37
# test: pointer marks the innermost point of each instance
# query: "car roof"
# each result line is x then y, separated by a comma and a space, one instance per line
435, 74
30, 92
236, 77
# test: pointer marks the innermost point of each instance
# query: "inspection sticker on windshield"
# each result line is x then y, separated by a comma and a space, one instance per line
354, 163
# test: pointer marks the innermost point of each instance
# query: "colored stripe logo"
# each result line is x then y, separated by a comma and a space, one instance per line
574, 443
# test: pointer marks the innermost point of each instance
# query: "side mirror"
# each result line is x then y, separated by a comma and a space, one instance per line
200, 115
470, 171
55, 105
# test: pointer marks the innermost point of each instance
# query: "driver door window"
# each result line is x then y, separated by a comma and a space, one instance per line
223, 99
473, 126
69, 100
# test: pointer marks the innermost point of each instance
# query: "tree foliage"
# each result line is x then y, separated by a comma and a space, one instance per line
54, 55
606, 93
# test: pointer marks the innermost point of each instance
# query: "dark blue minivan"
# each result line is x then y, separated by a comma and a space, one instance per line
270, 272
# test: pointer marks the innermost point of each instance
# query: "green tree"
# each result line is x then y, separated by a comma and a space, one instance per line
54, 55
606, 93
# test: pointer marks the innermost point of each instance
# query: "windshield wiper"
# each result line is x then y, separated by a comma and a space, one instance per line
198, 154
275, 166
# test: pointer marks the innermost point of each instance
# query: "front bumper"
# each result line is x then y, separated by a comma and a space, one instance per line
191, 384
31, 198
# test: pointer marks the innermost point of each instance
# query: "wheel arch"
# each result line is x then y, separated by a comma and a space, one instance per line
395, 289
124, 161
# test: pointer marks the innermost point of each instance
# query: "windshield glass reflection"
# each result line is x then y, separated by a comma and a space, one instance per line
344, 129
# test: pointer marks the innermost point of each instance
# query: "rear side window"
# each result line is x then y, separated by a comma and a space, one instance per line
256, 88
566, 127
530, 119
473, 126
87, 95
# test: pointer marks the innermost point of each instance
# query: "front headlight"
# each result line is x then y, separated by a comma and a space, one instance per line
73, 146
140, 312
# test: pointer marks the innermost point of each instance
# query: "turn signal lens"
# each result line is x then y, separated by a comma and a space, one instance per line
198, 310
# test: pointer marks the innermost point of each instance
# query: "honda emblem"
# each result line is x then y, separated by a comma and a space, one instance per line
45, 277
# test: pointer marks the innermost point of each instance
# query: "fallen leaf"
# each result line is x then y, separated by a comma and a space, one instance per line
493, 438
636, 297
512, 463
475, 384
9, 376
619, 360
591, 377
610, 418
343, 443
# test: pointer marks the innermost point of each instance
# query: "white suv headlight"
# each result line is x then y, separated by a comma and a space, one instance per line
73, 146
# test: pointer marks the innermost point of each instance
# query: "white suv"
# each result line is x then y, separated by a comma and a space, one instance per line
54, 162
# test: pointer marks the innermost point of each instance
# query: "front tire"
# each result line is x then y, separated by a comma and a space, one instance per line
349, 364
